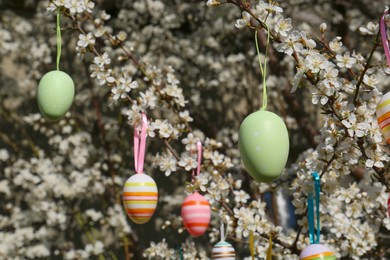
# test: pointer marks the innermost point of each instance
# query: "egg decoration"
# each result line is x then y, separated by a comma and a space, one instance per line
55, 94
383, 116
223, 251
264, 145
317, 252
140, 196
196, 214
388, 205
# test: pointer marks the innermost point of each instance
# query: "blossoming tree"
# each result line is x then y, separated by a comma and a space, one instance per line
191, 66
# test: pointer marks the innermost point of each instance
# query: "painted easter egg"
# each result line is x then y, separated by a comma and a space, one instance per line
55, 94
223, 251
388, 205
140, 196
264, 145
383, 116
317, 252
196, 214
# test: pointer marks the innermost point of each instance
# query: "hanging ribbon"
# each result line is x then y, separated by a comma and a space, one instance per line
199, 147
269, 251
263, 68
180, 253
59, 41
314, 239
139, 144
222, 231
385, 42
252, 245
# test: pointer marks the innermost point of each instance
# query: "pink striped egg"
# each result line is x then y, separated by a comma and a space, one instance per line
140, 196
383, 116
196, 214
223, 251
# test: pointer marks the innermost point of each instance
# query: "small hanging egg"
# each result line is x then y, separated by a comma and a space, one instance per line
140, 196
55, 94
264, 145
383, 116
317, 252
223, 251
196, 214
388, 206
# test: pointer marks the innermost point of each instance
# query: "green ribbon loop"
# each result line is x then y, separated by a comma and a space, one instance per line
314, 238
263, 68
59, 41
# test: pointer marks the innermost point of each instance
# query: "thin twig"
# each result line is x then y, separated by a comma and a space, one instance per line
366, 67
173, 152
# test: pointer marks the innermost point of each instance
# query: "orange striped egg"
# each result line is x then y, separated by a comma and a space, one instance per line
140, 196
223, 251
317, 252
383, 116
196, 214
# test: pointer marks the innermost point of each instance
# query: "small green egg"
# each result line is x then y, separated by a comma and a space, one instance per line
264, 145
55, 94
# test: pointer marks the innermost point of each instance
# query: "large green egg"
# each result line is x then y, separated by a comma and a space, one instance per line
264, 145
55, 94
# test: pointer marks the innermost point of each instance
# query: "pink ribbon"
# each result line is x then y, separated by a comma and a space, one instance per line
199, 146
384, 38
139, 144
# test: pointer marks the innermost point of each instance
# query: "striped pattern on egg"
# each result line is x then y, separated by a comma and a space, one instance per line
383, 116
223, 251
317, 252
196, 214
140, 196
388, 206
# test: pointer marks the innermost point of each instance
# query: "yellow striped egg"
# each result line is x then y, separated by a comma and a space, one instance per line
383, 116
317, 252
140, 196
223, 251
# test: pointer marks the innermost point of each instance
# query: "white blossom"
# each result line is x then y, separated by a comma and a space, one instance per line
187, 162
345, 61
86, 40
244, 21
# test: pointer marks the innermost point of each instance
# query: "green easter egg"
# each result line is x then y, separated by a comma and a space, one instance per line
55, 94
264, 145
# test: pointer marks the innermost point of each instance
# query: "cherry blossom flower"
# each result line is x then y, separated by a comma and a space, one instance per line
190, 142
244, 21
335, 44
212, 3
167, 163
187, 162
86, 40
371, 29
355, 128
345, 61
241, 196
102, 60
283, 26
290, 43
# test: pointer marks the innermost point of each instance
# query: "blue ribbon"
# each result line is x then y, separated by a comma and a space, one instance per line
310, 210
180, 253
